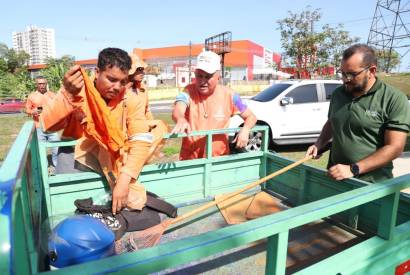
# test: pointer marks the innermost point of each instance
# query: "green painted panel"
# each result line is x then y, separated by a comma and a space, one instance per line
170, 173
236, 164
68, 178
373, 256
240, 175
63, 203
177, 189
77, 186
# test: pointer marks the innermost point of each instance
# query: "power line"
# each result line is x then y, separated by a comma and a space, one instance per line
390, 35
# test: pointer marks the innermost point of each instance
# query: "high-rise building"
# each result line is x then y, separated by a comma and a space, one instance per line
38, 42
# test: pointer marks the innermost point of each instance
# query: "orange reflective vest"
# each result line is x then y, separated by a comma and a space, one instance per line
213, 112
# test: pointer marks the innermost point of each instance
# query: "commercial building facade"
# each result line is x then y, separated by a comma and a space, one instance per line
246, 61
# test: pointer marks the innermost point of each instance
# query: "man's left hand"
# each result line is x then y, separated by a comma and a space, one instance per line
120, 193
340, 172
242, 138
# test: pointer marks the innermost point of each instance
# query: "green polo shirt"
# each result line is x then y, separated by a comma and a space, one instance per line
358, 125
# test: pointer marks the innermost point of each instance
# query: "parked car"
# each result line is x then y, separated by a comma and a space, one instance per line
295, 111
11, 105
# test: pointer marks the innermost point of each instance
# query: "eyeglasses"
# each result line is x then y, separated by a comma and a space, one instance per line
351, 75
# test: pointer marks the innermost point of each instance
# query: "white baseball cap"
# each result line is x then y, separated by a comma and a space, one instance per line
209, 62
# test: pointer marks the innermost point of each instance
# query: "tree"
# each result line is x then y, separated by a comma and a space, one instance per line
298, 38
15, 60
382, 60
55, 70
335, 41
15, 78
307, 48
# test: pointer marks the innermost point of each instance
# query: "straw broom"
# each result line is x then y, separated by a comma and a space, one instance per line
151, 236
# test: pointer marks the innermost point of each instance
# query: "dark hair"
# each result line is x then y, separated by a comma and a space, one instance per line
114, 57
369, 55
41, 77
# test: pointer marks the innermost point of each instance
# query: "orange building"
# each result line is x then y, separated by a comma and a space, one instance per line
242, 63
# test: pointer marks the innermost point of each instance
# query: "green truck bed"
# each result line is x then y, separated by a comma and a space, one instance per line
328, 227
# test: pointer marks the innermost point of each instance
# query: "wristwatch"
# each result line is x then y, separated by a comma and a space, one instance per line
354, 168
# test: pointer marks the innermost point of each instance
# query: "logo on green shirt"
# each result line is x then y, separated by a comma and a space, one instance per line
371, 113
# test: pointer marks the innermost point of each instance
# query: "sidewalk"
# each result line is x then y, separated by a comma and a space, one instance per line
402, 167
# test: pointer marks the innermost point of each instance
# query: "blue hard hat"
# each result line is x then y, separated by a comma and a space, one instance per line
79, 239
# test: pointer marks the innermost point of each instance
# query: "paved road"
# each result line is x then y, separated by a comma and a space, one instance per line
402, 167
165, 106
161, 107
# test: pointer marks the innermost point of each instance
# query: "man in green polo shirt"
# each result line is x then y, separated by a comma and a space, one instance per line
368, 121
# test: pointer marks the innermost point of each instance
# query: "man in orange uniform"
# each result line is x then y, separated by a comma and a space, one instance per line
136, 76
206, 105
68, 112
35, 103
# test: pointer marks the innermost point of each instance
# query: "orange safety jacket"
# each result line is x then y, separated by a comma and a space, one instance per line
142, 92
35, 100
114, 137
213, 112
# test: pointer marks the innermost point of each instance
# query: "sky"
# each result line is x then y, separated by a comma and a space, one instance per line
83, 28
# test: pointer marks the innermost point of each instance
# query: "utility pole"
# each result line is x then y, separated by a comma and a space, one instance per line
189, 61
389, 31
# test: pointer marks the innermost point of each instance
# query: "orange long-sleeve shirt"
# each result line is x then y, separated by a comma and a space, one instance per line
35, 100
68, 112
142, 92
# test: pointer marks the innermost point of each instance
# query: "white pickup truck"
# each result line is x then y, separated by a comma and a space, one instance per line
295, 111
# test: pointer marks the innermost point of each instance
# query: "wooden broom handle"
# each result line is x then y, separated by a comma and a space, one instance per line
230, 195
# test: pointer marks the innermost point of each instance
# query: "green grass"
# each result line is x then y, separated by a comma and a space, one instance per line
297, 152
400, 81
10, 127
171, 150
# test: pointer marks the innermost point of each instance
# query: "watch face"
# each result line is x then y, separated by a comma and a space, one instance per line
354, 168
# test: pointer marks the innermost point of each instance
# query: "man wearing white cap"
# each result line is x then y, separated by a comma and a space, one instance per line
206, 105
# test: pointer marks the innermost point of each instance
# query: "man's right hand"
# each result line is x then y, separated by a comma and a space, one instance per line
73, 80
182, 126
312, 151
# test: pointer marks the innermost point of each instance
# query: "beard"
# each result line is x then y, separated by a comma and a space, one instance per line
356, 87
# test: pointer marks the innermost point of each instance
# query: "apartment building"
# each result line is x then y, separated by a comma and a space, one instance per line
38, 42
